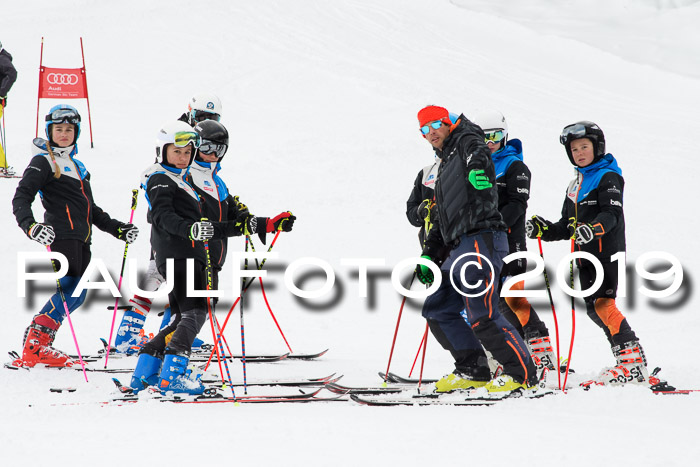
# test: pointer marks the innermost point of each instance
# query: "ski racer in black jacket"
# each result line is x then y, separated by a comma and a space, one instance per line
513, 181
470, 226
592, 216
179, 232
63, 183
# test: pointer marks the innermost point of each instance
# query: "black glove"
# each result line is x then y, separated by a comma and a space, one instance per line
41, 233
587, 232
201, 231
128, 233
536, 226
425, 210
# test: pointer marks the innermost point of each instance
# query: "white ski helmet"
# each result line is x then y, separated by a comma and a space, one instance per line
492, 120
204, 106
178, 133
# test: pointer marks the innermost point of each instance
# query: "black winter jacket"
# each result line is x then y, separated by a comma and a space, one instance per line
422, 190
217, 205
8, 73
594, 197
462, 209
174, 206
70, 208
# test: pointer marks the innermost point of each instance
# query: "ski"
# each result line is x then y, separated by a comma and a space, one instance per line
376, 401
469, 397
340, 389
330, 379
394, 378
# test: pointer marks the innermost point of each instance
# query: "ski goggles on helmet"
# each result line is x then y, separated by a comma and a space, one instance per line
425, 129
209, 147
494, 136
572, 132
63, 116
201, 115
183, 138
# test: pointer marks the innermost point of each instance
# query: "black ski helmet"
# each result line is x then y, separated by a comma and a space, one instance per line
583, 129
214, 138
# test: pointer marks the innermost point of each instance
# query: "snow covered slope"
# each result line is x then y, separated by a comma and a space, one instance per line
321, 101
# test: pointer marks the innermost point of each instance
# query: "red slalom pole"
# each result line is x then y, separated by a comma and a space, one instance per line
554, 313
396, 331
573, 318
422, 342
262, 288
422, 360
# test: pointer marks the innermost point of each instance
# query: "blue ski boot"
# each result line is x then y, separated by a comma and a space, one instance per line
128, 332
175, 377
146, 371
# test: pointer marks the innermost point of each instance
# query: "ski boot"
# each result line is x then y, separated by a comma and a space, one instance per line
130, 331
146, 372
631, 366
465, 378
175, 377
541, 351
37, 348
506, 386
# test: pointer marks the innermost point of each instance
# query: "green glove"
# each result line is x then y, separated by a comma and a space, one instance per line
424, 273
479, 181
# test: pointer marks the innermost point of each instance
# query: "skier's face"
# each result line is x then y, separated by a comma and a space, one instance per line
437, 137
63, 134
582, 152
178, 157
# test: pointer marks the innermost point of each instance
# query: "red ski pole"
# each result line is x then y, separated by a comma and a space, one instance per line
422, 360
573, 318
422, 342
396, 331
554, 313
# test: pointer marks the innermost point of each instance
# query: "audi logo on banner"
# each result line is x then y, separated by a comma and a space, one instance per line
62, 78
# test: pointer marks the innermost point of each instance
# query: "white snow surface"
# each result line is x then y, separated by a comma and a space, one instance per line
320, 99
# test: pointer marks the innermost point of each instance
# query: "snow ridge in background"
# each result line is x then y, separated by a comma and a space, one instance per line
320, 99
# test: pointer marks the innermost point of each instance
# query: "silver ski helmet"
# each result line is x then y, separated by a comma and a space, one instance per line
178, 133
204, 106
214, 138
583, 129
62, 113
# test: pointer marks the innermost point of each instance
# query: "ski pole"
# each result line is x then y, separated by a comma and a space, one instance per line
4, 145
422, 361
217, 338
134, 201
262, 288
573, 317
247, 286
243, 360
554, 313
65, 307
422, 342
396, 331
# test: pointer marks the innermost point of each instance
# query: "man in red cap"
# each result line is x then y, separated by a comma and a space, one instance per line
468, 241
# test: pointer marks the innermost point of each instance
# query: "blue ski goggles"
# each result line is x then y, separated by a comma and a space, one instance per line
63, 116
209, 147
494, 136
183, 138
572, 132
425, 129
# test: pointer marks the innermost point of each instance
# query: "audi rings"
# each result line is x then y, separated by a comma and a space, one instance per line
62, 78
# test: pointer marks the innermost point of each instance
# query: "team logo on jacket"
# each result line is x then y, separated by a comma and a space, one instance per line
66, 169
524, 190
614, 189
615, 203
522, 177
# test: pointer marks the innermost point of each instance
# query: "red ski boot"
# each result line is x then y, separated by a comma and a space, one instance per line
37, 348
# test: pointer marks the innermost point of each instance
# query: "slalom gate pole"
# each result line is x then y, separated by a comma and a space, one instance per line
240, 309
217, 338
422, 360
134, 201
573, 317
65, 307
396, 331
422, 342
554, 313
228, 315
262, 288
